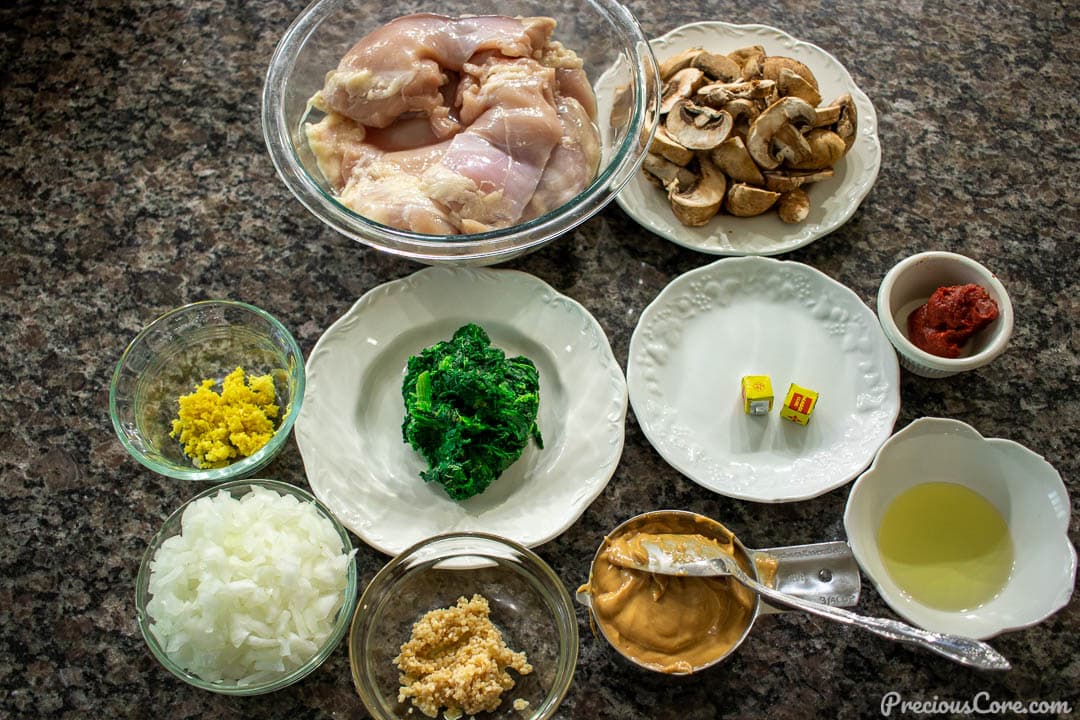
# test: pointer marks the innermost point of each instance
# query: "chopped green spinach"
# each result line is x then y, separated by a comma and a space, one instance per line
469, 410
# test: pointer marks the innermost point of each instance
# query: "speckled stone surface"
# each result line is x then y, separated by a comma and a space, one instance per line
134, 178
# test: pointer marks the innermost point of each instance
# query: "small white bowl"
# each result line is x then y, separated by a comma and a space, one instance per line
910, 283
1025, 489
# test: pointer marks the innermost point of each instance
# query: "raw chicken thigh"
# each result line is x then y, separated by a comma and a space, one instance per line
445, 125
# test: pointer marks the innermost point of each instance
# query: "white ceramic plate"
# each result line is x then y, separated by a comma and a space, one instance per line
833, 201
758, 316
349, 428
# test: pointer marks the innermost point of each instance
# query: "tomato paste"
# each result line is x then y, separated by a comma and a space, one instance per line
951, 316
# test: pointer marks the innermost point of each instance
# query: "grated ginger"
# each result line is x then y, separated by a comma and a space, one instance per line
457, 659
217, 428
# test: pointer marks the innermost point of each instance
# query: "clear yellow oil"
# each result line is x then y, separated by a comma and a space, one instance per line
946, 546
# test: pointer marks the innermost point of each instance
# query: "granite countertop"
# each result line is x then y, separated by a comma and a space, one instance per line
134, 179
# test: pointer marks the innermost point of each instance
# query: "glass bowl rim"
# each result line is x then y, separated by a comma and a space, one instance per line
562, 607
243, 466
490, 246
341, 623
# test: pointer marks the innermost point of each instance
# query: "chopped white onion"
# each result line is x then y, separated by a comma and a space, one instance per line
249, 589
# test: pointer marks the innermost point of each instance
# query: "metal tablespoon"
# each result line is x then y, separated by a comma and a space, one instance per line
687, 555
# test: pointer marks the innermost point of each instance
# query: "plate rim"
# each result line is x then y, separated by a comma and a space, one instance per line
869, 131
889, 358
610, 371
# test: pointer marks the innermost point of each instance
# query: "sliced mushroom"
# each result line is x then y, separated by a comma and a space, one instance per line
740, 129
790, 145
733, 159
746, 201
744, 111
792, 84
646, 128
827, 115
841, 116
696, 126
769, 142
681, 86
847, 126
719, 94
674, 64
788, 180
751, 61
667, 147
793, 206
697, 205
741, 108
826, 149
666, 174
622, 103
717, 67
774, 64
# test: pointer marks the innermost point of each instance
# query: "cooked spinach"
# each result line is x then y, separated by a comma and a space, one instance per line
469, 410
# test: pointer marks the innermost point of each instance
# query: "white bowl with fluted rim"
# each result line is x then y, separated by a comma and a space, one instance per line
909, 285
1020, 484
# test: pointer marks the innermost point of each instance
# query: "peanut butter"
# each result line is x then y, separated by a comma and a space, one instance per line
672, 624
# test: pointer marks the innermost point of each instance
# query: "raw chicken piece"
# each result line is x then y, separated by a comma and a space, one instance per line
380, 185
491, 169
387, 189
399, 67
338, 144
383, 193
446, 126
406, 134
342, 148
573, 162
570, 78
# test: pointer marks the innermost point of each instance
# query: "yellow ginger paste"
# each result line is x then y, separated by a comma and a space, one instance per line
214, 429
457, 659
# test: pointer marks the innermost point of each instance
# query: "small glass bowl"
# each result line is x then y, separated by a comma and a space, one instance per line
604, 34
173, 526
172, 355
528, 601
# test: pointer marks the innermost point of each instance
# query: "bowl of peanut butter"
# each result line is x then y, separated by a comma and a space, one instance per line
683, 623
670, 624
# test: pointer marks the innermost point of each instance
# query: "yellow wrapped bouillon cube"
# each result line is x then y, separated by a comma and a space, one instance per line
799, 404
757, 394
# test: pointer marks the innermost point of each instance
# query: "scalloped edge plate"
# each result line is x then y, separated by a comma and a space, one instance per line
759, 316
833, 201
349, 428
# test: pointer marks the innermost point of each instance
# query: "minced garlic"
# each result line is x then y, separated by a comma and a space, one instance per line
457, 659
216, 428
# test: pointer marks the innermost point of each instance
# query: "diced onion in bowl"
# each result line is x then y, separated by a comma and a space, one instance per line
250, 588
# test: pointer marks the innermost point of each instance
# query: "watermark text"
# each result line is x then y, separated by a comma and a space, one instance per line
980, 704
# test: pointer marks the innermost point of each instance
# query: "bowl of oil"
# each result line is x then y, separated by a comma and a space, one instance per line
961, 533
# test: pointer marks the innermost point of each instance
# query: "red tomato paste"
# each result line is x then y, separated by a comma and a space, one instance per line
951, 316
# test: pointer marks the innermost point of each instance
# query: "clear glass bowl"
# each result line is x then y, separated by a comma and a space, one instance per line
603, 33
179, 350
172, 526
528, 601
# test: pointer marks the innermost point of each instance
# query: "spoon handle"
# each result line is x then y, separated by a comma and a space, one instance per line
966, 651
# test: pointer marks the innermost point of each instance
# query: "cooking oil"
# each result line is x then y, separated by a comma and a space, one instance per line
946, 546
